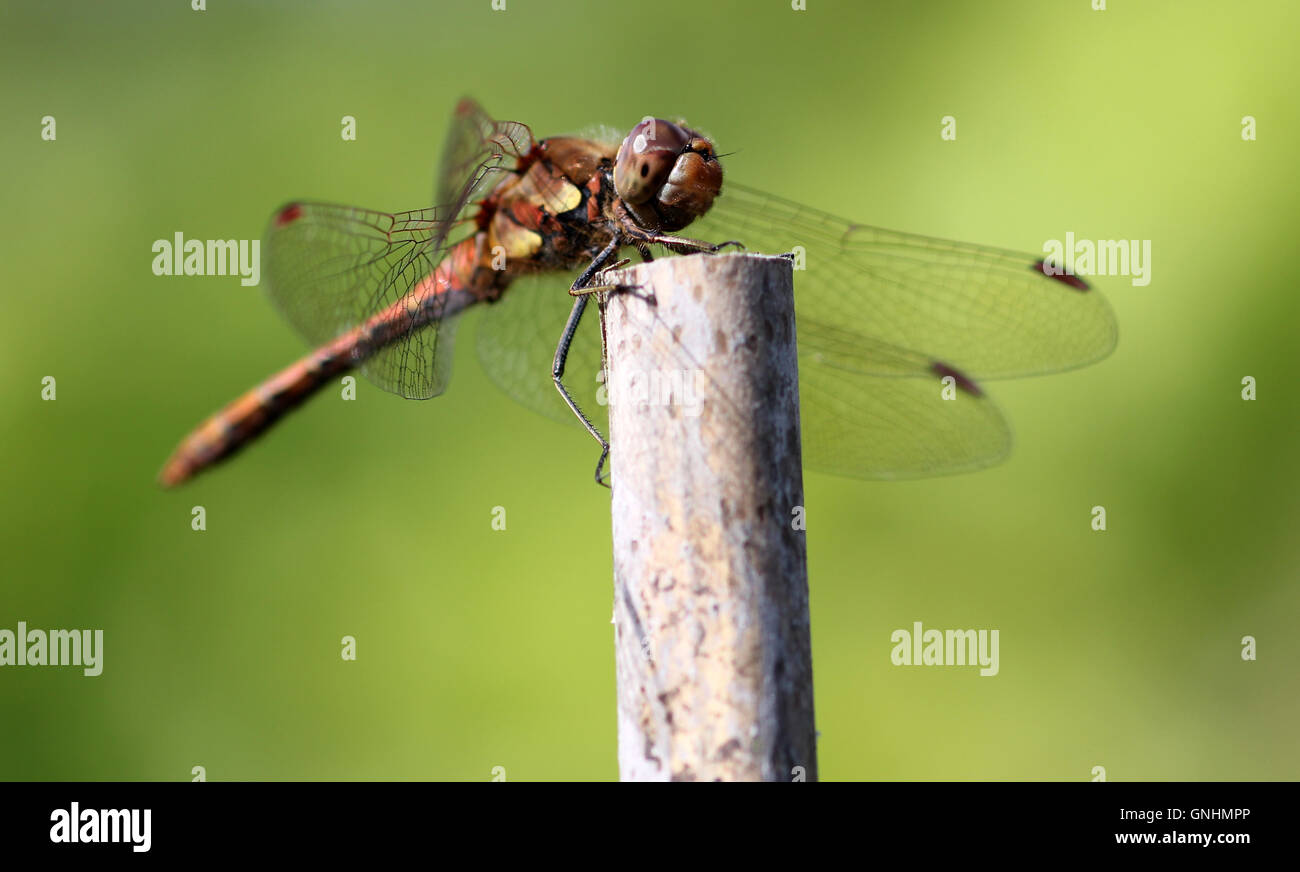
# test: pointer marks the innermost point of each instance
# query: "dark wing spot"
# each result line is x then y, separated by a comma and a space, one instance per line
1073, 281
288, 214
963, 381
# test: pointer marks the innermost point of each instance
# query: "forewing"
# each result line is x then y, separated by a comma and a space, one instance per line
894, 328
990, 311
478, 150
330, 267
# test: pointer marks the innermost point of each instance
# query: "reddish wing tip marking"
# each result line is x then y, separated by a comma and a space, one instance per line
1073, 281
288, 215
963, 381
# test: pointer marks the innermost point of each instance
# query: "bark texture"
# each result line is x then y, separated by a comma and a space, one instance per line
714, 660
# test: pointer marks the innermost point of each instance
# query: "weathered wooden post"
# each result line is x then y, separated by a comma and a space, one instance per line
710, 573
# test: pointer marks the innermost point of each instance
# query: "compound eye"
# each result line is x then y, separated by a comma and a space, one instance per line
646, 159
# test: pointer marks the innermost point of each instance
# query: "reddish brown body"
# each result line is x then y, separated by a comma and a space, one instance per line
882, 314
552, 213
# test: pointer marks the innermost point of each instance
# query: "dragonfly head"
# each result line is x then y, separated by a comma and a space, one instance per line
667, 174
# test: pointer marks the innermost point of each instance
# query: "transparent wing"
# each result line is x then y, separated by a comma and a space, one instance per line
478, 150
912, 417
883, 317
516, 346
330, 268
333, 267
988, 310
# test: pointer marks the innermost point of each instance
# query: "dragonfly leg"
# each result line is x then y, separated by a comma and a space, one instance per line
683, 244
602, 291
557, 375
582, 291
588, 290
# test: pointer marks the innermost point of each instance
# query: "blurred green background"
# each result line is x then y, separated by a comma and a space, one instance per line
480, 648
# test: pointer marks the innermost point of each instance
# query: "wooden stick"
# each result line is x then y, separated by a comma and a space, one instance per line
710, 573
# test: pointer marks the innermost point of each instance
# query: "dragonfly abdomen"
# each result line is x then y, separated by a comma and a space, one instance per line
447, 291
240, 421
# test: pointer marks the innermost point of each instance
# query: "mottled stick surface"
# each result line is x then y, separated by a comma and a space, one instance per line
710, 573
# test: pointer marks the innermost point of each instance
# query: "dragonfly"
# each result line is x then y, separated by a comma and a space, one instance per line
896, 332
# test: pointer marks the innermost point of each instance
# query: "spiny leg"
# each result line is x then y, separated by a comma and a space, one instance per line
602, 291
681, 244
640, 238
581, 290
576, 290
557, 375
